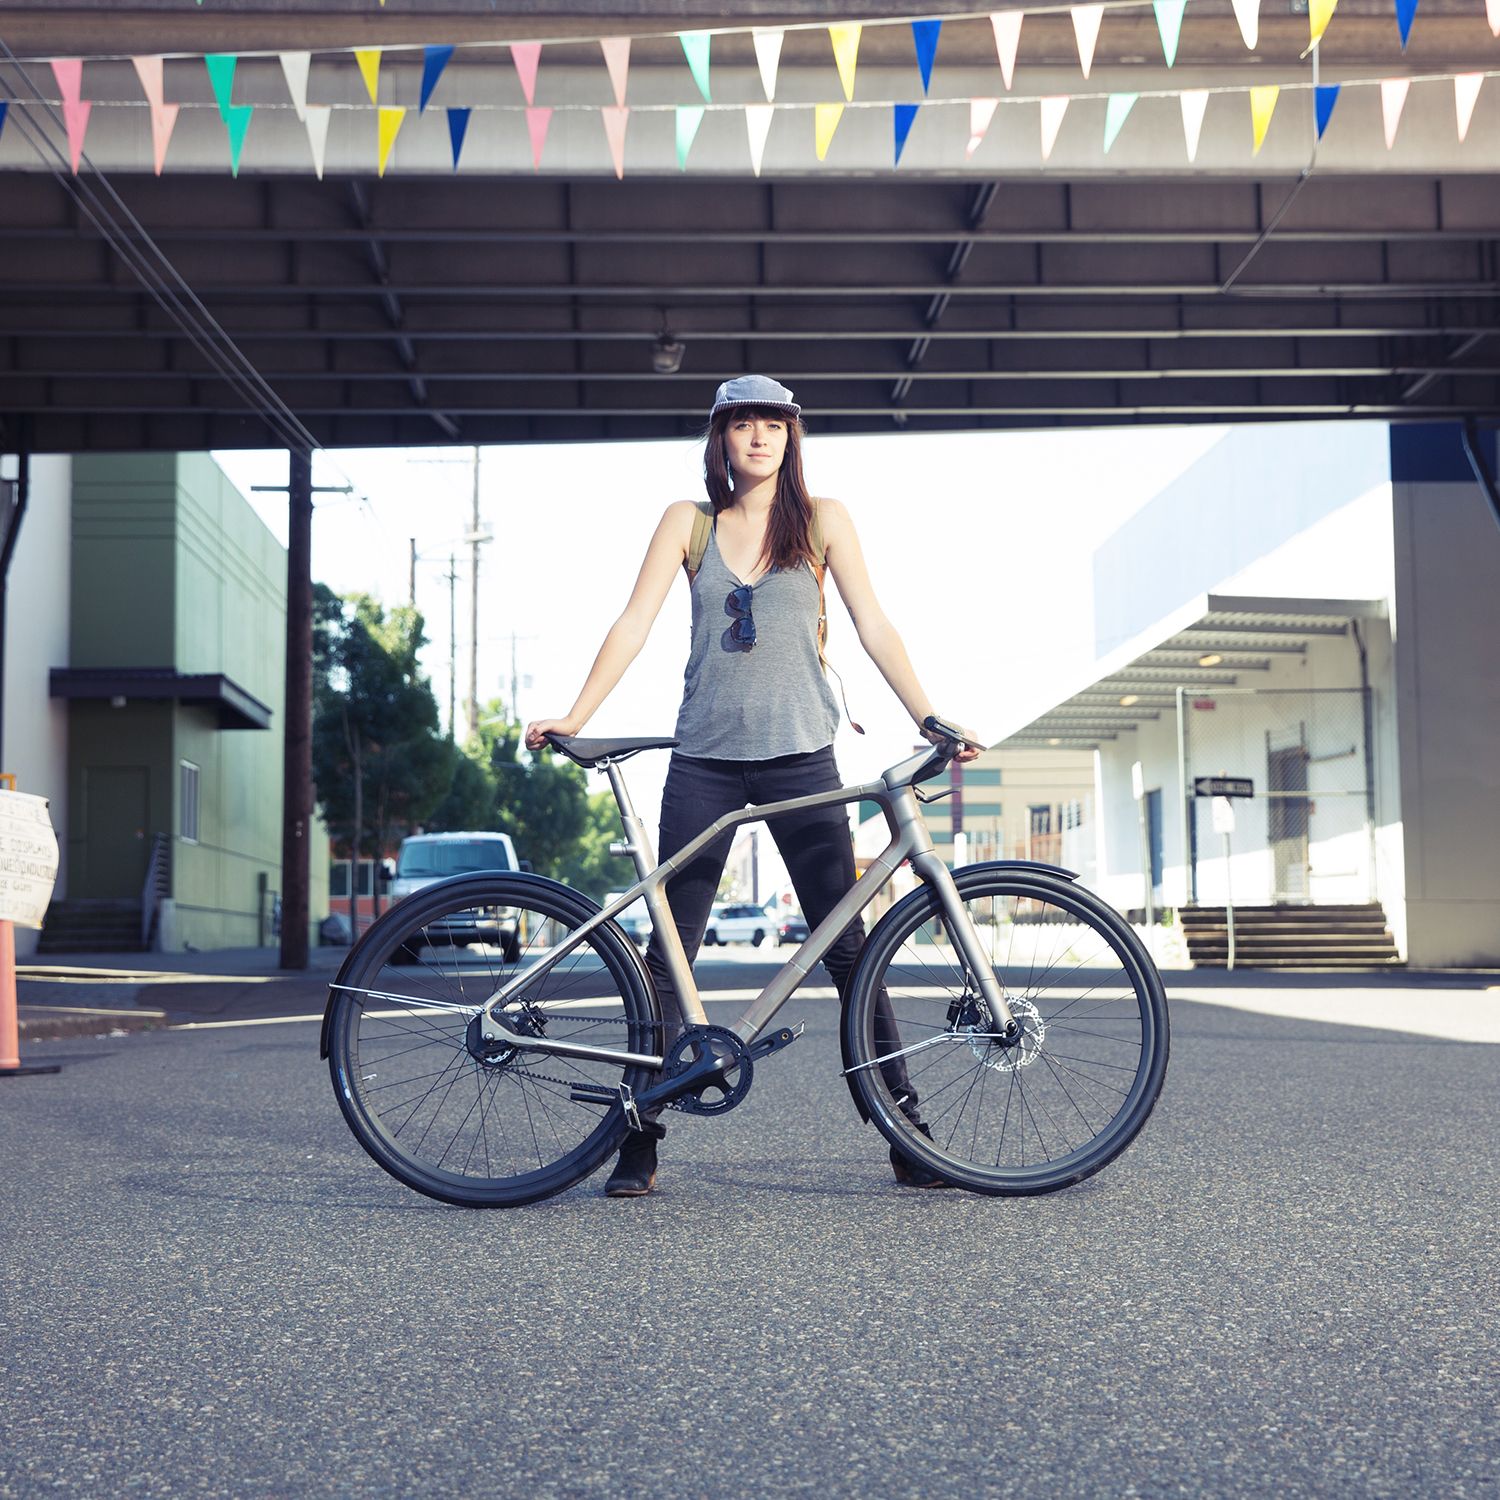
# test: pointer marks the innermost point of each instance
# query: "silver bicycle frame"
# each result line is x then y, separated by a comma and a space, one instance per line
909, 840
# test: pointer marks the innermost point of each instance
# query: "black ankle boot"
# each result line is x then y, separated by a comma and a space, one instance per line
912, 1173
635, 1173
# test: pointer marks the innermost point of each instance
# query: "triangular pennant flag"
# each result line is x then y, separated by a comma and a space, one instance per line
4, 110
1115, 114
1406, 13
434, 60
925, 35
527, 57
1247, 13
1392, 101
1169, 26
617, 60
1492, 15
1086, 19
368, 59
768, 58
825, 122
689, 118
220, 67
1007, 24
1054, 107
845, 39
1319, 14
1194, 102
981, 112
76, 118
902, 117
1466, 88
695, 45
1325, 96
69, 74
1262, 107
296, 66
616, 118
317, 119
163, 119
237, 122
388, 120
458, 128
148, 70
538, 118
758, 127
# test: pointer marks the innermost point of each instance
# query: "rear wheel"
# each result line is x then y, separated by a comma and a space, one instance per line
460, 1119
1030, 1115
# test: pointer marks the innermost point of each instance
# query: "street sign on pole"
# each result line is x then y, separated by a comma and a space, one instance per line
1223, 786
1223, 815
28, 858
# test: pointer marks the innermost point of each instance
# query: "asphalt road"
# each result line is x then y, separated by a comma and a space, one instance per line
1286, 1286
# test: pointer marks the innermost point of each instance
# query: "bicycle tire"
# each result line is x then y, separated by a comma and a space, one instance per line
426, 1108
1120, 998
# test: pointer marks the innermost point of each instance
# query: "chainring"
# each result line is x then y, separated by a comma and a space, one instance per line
719, 1094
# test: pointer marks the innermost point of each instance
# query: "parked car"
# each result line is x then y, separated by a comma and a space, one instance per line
426, 858
635, 920
728, 923
791, 929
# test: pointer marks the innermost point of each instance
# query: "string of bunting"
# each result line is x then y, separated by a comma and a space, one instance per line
844, 40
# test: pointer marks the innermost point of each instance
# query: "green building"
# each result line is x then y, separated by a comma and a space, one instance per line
174, 686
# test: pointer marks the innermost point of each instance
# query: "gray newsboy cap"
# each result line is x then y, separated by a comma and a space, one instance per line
754, 390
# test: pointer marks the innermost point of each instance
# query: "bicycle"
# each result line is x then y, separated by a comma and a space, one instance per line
1027, 1007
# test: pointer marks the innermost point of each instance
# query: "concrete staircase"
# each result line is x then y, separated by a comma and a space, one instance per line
1290, 937
92, 927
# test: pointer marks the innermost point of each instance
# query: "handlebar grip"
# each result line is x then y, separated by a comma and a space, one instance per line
955, 732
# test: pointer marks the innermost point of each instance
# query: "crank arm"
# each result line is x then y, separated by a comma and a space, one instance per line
776, 1041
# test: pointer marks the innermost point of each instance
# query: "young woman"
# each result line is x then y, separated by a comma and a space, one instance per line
758, 717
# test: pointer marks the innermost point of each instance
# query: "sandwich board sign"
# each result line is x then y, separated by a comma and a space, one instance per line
28, 858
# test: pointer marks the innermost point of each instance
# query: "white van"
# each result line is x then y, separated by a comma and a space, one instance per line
426, 858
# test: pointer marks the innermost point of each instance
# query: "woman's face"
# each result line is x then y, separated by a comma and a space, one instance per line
756, 445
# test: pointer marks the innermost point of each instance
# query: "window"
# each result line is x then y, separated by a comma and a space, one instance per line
338, 878
1072, 814
981, 810
423, 857
1041, 819
985, 776
366, 877
187, 799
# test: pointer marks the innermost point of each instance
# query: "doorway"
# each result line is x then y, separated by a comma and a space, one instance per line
116, 800
1287, 818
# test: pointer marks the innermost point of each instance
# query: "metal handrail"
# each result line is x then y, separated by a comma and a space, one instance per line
154, 887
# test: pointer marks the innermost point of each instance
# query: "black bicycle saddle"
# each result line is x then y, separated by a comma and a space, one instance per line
589, 753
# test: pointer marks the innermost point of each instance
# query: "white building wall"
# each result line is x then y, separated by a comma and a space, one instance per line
36, 640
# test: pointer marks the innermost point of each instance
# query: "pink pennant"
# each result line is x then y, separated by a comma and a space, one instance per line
1492, 15
1007, 24
538, 118
76, 117
527, 56
148, 70
981, 112
163, 119
617, 60
69, 73
615, 121
1393, 93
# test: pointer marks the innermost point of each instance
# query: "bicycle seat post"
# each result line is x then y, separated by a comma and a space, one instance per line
637, 843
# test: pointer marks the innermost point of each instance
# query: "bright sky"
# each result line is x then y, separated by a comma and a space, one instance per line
980, 547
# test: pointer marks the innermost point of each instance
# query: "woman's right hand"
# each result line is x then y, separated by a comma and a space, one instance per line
539, 729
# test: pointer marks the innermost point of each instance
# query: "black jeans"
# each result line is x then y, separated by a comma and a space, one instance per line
819, 855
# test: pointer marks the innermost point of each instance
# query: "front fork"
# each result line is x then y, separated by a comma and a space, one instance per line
931, 868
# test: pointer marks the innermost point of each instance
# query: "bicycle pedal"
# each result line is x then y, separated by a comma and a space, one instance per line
777, 1040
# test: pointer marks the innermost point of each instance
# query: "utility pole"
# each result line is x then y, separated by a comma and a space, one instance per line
413, 590
452, 644
296, 775
474, 540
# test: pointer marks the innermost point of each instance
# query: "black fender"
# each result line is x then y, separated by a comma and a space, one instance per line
586, 906
908, 900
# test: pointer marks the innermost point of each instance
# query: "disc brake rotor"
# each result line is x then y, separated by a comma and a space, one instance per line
1007, 1057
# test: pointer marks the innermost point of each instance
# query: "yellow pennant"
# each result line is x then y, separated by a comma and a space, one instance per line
1262, 107
1320, 13
845, 39
825, 122
390, 123
368, 59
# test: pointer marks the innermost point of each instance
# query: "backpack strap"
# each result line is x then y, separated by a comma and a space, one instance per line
703, 526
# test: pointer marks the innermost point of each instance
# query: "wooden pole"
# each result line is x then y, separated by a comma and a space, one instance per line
297, 801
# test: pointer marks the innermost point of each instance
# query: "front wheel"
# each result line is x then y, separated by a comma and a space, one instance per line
1044, 1110
475, 1122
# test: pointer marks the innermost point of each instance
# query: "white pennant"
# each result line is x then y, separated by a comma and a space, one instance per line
1492, 15
1392, 101
768, 58
981, 112
1466, 88
1053, 110
1247, 13
1194, 102
1007, 24
758, 127
295, 66
1086, 19
317, 134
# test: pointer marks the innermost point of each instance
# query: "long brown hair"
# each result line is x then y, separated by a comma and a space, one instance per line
789, 530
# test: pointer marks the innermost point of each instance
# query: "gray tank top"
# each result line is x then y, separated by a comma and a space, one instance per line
771, 700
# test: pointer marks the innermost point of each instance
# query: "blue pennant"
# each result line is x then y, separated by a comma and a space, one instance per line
1325, 96
904, 115
925, 35
4, 105
458, 124
1406, 13
434, 60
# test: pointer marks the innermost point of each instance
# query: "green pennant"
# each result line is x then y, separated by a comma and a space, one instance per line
1169, 25
689, 118
220, 67
238, 122
695, 46
1115, 112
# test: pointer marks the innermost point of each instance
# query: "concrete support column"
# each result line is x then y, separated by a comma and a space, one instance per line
296, 812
